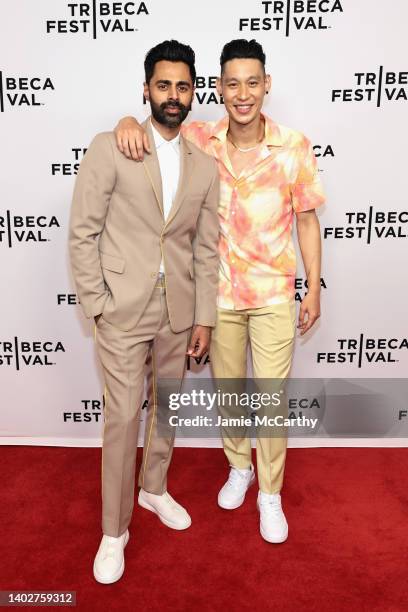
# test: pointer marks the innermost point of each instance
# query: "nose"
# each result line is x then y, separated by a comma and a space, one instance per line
243, 91
173, 92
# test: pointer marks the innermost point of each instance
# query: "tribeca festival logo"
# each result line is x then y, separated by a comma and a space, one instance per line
374, 224
195, 364
323, 151
205, 90
95, 18
16, 229
90, 411
69, 167
301, 287
365, 350
23, 353
288, 16
23, 91
300, 406
67, 299
376, 87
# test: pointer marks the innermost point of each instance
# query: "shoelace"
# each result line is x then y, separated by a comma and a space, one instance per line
236, 480
271, 507
110, 550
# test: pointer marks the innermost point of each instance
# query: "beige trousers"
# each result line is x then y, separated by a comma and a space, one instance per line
270, 331
123, 355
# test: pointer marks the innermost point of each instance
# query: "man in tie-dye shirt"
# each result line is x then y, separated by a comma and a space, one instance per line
268, 173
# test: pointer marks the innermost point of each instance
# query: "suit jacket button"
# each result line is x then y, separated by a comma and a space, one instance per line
153, 274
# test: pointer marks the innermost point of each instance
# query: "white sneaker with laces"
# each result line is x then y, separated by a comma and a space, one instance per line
109, 563
273, 524
233, 493
167, 509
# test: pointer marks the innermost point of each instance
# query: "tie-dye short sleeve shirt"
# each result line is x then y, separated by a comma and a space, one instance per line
257, 256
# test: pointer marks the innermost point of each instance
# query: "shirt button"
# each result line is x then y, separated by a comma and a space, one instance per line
233, 212
235, 284
153, 274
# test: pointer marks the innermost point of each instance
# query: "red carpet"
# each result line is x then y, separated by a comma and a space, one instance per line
347, 546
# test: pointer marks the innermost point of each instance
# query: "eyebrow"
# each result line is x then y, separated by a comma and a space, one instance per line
248, 79
167, 82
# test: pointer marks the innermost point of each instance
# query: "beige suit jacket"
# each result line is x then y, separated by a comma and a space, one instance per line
118, 235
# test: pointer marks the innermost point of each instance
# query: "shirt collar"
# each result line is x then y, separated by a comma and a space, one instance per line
272, 133
159, 141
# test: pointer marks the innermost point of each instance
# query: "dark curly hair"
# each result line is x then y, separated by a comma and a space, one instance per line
171, 51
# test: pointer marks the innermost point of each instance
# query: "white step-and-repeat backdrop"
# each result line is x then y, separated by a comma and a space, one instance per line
71, 69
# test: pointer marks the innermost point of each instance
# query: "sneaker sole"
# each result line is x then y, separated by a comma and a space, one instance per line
236, 505
165, 521
280, 541
118, 575
275, 541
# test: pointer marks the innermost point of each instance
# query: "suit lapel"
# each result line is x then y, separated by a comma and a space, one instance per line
152, 168
186, 168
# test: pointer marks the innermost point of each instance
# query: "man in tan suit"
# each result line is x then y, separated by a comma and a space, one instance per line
143, 245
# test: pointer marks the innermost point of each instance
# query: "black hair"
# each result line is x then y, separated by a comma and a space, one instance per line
171, 51
242, 49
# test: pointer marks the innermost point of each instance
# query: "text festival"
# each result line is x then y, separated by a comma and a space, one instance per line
86, 18
306, 15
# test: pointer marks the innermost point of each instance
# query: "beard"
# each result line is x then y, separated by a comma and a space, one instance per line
171, 121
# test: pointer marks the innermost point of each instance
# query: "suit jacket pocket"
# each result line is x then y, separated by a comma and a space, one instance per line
112, 263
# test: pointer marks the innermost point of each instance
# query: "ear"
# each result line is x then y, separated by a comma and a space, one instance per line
218, 85
268, 83
146, 91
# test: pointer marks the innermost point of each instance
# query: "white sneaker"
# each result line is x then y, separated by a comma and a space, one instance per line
109, 563
233, 493
167, 509
273, 524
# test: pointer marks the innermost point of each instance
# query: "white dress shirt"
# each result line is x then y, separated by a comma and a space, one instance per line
168, 154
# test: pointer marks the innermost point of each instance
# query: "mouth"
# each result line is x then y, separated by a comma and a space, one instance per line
172, 110
243, 109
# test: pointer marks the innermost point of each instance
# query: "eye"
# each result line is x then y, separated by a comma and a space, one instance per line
162, 86
232, 85
253, 83
183, 88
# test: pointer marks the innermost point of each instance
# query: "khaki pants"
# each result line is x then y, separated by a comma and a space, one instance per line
123, 355
271, 332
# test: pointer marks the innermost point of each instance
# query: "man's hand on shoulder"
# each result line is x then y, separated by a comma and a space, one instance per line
131, 138
200, 341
